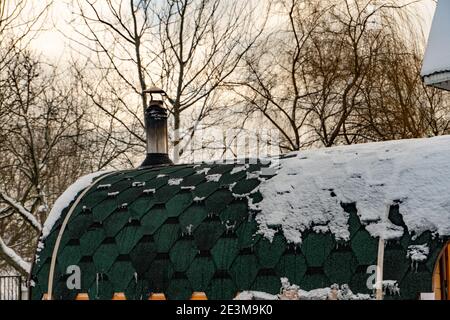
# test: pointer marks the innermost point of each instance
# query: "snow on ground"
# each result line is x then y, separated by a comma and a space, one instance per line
255, 295
67, 197
309, 188
293, 292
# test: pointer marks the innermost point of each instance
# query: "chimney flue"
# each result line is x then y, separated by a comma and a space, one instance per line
156, 130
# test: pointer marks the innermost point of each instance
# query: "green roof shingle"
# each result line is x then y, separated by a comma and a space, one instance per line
198, 235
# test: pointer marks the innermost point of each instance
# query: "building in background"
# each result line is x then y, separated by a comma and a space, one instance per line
436, 65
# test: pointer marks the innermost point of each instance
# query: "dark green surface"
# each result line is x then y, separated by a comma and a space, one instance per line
179, 240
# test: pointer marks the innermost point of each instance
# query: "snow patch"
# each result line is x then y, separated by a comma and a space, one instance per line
138, 184
253, 175
42, 209
238, 169
293, 292
175, 181
123, 206
391, 287
11, 254
213, 177
40, 247
22, 211
321, 229
417, 254
203, 171
311, 185
231, 186
253, 206
104, 186
255, 295
230, 226
188, 230
244, 195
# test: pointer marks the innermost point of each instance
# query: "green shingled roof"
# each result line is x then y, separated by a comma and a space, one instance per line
199, 235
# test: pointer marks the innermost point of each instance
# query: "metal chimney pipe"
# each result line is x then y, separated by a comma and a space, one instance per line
156, 130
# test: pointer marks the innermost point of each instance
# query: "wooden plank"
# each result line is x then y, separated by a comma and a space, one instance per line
380, 264
437, 282
444, 276
447, 254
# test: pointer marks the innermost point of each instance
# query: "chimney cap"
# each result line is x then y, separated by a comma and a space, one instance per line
155, 90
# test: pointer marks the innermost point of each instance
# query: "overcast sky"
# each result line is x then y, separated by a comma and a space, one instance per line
52, 43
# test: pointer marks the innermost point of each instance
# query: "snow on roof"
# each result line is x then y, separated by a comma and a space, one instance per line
309, 188
67, 197
436, 65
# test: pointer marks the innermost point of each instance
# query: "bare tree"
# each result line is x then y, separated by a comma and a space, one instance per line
340, 72
16, 30
202, 44
276, 83
187, 47
49, 138
395, 102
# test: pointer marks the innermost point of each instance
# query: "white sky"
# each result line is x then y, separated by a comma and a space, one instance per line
54, 45
52, 42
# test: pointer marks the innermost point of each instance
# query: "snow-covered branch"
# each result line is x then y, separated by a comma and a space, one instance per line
13, 259
27, 215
